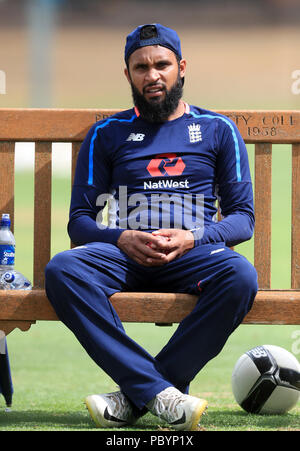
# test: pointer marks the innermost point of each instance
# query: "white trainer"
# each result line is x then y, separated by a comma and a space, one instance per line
110, 410
182, 412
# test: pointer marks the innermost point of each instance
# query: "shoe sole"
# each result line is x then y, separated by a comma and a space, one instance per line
199, 411
91, 406
100, 420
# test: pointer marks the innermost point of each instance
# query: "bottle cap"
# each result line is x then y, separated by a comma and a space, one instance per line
9, 277
5, 220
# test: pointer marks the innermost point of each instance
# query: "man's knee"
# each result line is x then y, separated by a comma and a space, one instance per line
243, 277
243, 288
57, 267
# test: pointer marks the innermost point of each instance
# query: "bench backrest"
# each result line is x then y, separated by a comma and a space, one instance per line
262, 128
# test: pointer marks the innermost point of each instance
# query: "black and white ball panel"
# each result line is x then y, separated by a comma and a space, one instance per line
266, 379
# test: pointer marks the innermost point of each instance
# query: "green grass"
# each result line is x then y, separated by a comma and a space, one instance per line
52, 373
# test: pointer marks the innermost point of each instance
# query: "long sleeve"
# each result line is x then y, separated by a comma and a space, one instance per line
234, 190
92, 179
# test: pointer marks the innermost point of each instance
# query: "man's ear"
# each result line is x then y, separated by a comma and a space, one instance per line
182, 68
126, 72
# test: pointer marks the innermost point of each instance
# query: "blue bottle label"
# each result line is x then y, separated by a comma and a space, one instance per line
7, 254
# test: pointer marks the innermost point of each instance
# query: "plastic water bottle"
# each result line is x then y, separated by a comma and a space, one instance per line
10, 279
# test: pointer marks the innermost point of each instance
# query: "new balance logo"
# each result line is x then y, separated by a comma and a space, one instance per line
195, 133
135, 137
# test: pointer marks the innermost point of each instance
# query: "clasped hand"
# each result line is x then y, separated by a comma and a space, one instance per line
156, 248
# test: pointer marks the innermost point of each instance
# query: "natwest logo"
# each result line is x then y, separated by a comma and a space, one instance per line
166, 164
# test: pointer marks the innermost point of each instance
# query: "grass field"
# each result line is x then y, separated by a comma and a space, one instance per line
52, 374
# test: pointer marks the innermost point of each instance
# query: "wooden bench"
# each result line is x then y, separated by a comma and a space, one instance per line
263, 128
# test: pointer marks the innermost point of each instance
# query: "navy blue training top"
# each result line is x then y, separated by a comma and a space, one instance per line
163, 175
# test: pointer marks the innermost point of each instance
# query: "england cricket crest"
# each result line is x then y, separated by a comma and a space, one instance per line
195, 133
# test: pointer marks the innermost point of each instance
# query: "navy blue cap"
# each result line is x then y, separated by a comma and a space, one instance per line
152, 34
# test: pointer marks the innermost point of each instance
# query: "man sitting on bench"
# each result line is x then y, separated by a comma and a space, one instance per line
160, 166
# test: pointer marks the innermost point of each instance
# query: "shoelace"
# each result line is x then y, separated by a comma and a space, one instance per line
120, 406
166, 405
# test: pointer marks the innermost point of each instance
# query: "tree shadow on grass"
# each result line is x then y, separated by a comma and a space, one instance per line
43, 420
40, 420
215, 420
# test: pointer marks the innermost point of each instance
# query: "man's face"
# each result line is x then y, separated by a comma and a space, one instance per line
155, 78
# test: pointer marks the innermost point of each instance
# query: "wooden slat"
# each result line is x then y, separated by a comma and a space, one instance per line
49, 124
72, 125
270, 307
7, 161
262, 235
42, 211
7, 180
75, 150
275, 307
280, 126
295, 257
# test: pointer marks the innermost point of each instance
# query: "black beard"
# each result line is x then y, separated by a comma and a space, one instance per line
158, 111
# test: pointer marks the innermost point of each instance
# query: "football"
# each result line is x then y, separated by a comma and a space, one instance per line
266, 380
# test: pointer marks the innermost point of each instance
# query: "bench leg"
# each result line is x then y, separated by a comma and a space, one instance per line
8, 326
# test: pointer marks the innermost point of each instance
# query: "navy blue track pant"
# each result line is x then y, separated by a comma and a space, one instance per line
79, 282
